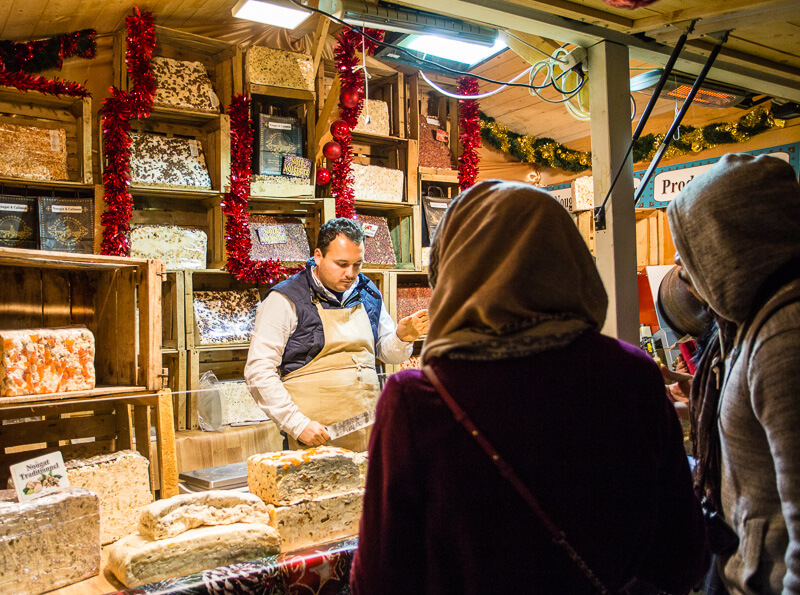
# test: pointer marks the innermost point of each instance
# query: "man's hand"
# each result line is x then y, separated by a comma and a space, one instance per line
413, 327
314, 434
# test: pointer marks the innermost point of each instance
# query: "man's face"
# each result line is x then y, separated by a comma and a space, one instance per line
684, 276
340, 266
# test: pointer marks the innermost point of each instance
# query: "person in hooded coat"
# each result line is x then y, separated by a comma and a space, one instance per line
736, 228
583, 419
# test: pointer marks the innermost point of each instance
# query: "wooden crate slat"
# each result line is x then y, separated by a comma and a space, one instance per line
98, 426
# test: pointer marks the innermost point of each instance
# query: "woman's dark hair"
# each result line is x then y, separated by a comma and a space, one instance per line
330, 230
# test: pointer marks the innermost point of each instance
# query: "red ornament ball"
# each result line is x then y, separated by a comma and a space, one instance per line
332, 150
340, 129
323, 176
349, 97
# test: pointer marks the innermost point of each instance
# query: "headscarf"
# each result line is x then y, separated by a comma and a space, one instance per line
735, 225
511, 275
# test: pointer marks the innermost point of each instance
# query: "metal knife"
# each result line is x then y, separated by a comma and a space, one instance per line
351, 424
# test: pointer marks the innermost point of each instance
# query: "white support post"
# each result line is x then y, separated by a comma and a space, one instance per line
610, 106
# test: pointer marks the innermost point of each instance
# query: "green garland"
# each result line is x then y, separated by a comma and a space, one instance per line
546, 152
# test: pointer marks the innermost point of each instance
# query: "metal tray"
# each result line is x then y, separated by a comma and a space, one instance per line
217, 478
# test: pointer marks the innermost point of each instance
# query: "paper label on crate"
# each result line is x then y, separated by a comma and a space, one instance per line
432, 121
55, 142
67, 209
439, 205
442, 136
279, 125
193, 148
272, 234
4, 206
39, 476
370, 229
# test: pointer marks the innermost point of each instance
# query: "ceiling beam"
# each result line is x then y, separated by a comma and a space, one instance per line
712, 12
502, 14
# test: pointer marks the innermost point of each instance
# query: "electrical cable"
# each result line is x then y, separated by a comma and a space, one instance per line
408, 52
481, 96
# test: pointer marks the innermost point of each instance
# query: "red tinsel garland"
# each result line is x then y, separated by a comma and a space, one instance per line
44, 54
344, 52
470, 132
117, 112
237, 218
31, 82
629, 3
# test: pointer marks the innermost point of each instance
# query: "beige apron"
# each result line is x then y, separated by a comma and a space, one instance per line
340, 381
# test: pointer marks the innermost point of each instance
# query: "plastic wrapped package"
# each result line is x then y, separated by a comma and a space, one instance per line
238, 405
412, 298
378, 112
433, 207
378, 247
66, 224
372, 182
19, 227
281, 238
183, 84
177, 247
267, 66
163, 161
33, 153
39, 361
48, 542
209, 402
225, 316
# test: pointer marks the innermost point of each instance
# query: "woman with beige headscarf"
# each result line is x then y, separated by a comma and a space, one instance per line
582, 419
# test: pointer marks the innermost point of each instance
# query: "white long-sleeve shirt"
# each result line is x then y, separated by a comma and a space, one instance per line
276, 321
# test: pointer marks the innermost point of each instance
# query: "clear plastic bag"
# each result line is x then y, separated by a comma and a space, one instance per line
209, 403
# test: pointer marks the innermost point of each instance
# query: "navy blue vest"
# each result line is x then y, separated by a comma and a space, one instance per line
308, 339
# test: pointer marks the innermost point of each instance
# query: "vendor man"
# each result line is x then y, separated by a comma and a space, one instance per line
312, 355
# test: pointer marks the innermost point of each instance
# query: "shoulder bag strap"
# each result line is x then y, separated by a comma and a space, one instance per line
506, 471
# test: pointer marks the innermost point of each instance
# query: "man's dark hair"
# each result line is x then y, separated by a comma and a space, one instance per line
330, 230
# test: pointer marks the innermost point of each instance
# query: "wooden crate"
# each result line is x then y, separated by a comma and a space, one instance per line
173, 313
84, 427
72, 114
404, 228
654, 245
313, 212
392, 153
175, 363
423, 101
584, 220
210, 280
117, 299
211, 131
226, 363
223, 61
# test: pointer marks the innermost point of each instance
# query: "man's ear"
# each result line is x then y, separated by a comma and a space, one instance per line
317, 256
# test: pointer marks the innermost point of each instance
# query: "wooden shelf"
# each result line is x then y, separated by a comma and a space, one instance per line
96, 394
73, 115
435, 174
379, 140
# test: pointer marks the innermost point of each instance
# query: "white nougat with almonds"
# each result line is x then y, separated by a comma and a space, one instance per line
176, 515
136, 560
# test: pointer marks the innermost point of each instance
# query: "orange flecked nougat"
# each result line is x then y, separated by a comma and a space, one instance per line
39, 361
291, 476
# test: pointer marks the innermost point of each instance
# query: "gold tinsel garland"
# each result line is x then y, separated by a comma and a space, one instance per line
546, 152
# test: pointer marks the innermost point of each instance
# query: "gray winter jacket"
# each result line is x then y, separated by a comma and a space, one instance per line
736, 227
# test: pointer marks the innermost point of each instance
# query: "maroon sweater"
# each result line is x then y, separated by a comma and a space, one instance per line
589, 430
